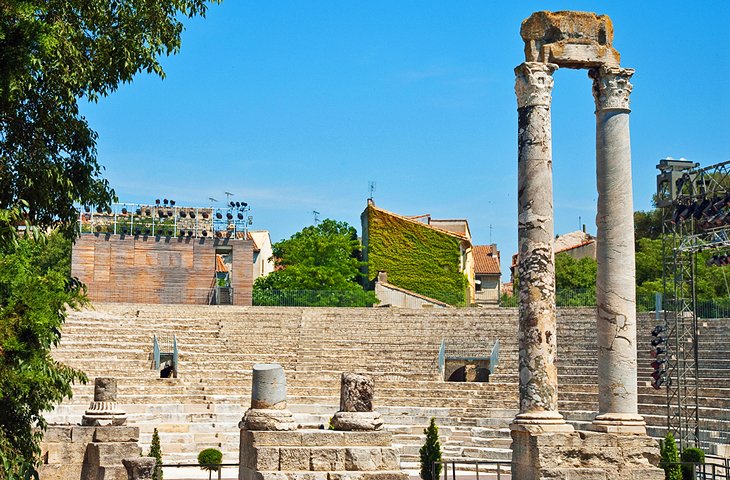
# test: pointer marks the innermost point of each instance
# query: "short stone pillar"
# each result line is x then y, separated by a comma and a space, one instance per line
616, 275
103, 410
356, 404
538, 375
140, 468
268, 400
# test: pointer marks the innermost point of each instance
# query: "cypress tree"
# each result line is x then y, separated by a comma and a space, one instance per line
431, 452
156, 453
670, 455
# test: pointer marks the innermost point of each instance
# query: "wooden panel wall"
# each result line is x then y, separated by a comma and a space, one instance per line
139, 269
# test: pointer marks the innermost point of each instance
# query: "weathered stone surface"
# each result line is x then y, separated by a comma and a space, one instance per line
569, 39
379, 438
327, 459
538, 376
268, 419
583, 456
58, 433
116, 434
112, 453
322, 438
268, 389
356, 393
362, 421
63, 453
363, 458
105, 389
294, 458
265, 458
139, 468
270, 438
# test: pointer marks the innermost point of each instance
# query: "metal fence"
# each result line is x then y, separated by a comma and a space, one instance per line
473, 469
313, 298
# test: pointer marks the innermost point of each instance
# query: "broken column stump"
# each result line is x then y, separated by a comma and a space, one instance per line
356, 404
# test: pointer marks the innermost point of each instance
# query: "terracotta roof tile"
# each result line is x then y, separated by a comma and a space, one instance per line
486, 260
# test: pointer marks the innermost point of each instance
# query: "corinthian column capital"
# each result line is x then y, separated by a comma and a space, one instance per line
534, 84
611, 87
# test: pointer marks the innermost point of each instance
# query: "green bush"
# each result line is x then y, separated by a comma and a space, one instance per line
156, 453
670, 458
691, 454
210, 459
431, 452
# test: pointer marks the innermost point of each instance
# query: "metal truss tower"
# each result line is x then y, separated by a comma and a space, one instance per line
696, 207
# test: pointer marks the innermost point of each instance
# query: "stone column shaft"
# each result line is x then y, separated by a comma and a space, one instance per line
616, 276
536, 268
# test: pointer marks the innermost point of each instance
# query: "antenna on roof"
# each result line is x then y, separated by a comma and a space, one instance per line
316, 216
228, 197
371, 189
490, 233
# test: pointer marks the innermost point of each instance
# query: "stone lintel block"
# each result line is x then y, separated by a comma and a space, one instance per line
116, 434
82, 434
273, 438
113, 453
323, 438
327, 459
294, 458
58, 433
265, 458
378, 438
60, 472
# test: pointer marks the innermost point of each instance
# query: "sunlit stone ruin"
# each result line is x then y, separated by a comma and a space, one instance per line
291, 393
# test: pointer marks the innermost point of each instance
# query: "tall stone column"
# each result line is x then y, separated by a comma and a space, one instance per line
536, 268
616, 277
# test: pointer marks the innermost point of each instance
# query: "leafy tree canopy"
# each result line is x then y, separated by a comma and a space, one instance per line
574, 274
52, 53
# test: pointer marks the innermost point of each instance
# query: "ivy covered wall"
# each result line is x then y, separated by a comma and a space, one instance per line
415, 256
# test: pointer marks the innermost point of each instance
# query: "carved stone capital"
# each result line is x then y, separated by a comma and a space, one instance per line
534, 84
611, 87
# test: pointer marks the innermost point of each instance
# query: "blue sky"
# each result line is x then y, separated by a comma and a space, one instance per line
295, 106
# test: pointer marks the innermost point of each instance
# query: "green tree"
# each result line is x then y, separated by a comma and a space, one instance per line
691, 454
670, 458
34, 296
572, 274
54, 53
648, 224
431, 452
321, 258
156, 453
210, 460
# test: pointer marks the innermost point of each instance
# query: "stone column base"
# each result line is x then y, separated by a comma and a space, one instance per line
619, 423
357, 421
268, 419
584, 455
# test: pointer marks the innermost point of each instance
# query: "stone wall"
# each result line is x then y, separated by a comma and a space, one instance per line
148, 269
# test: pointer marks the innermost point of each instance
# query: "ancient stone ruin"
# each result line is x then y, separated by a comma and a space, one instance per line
103, 410
270, 453
268, 400
356, 404
543, 443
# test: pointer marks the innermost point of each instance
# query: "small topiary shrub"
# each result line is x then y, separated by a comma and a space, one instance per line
431, 452
670, 458
210, 459
691, 454
156, 453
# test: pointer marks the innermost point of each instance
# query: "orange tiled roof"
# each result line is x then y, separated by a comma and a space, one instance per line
220, 267
486, 260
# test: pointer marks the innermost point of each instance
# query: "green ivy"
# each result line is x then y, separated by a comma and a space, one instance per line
416, 257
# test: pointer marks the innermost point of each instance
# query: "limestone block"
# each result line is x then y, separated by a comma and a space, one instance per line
265, 458
116, 434
105, 389
356, 393
362, 421
82, 434
139, 468
397, 475
112, 453
60, 472
63, 453
112, 473
363, 458
294, 458
270, 438
327, 459
389, 458
378, 438
268, 388
58, 433
322, 438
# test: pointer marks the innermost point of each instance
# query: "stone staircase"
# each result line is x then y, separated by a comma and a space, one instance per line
219, 345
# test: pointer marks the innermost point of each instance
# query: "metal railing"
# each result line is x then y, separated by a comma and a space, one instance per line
313, 298
491, 469
203, 473
714, 468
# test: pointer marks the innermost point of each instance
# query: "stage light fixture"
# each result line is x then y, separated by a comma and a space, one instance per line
98, 209
238, 204
172, 202
169, 213
232, 204
164, 201
160, 214
110, 228
148, 212
229, 216
183, 214
192, 214
124, 230
147, 231
240, 216
98, 228
137, 231
190, 233
124, 211
205, 215
87, 209
218, 215
244, 204
181, 233
139, 211
205, 233
169, 233
157, 201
